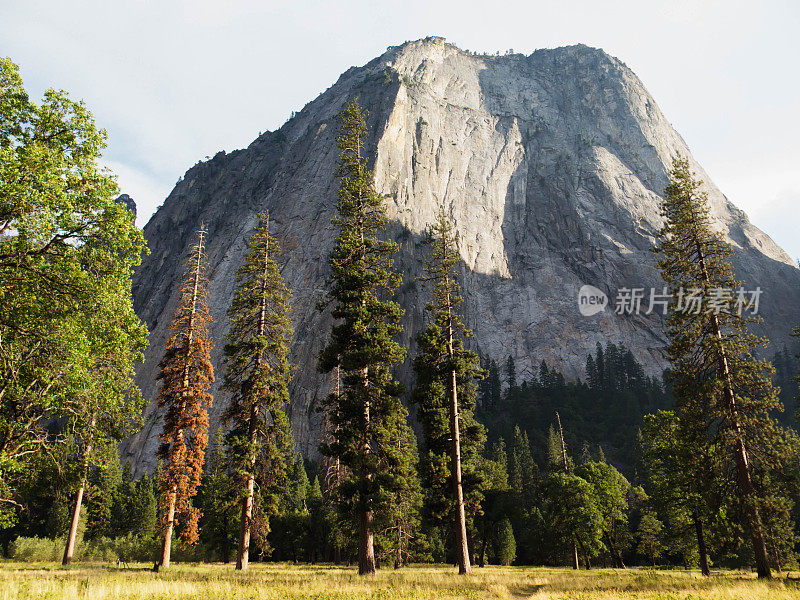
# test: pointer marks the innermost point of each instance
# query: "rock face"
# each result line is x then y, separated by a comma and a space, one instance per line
128, 202
550, 166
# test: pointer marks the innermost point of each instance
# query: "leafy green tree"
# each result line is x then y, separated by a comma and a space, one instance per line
649, 534
718, 382
497, 502
611, 491
571, 514
258, 373
445, 393
69, 337
680, 480
361, 342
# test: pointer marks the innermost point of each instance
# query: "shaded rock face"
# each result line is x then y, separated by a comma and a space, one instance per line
551, 167
128, 202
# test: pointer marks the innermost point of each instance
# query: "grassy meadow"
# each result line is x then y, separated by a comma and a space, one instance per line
21, 581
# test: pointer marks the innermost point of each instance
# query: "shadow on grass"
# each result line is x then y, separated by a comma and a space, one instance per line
526, 590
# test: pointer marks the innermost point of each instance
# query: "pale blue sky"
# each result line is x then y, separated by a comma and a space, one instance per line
174, 81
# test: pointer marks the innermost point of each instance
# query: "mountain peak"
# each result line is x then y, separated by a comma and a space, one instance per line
550, 166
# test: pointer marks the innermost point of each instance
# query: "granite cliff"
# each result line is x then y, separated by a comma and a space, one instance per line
551, 167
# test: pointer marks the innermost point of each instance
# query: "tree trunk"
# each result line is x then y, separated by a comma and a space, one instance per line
73, 529
366, 538
575, 564
462, 546
616, 555
243, 555
482, 557
166, 545
742, 463
398, 558
701, 545
778, 568
585, 556
366, 549
69, 549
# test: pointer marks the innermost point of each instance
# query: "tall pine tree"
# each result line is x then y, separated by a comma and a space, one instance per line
186, 374
718, 383
258, 374
361, 342
445, 389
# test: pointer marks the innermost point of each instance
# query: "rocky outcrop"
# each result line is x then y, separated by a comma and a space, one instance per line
128, 202
551, 167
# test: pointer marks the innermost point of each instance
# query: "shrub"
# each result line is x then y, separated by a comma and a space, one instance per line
129, 548
34, 549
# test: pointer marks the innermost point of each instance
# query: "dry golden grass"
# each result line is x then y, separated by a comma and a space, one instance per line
323, 582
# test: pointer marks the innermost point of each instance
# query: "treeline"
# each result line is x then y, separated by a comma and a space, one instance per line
605, 410
518, 476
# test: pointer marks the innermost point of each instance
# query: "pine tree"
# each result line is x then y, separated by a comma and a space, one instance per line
445, 389
186, 374
218, 498
523, 489
104, 480
495, 387
135, 510
317, 525
511, 373
258, 374
506, 551
144, 511
405, 504
718, 382
361, 342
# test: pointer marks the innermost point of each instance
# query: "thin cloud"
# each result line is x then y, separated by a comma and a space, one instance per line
174, 81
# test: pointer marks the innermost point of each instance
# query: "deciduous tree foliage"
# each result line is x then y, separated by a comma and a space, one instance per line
611, 491
258, 375
186, 374
684, 486
649, 534
69, 338
365, 415
723, 392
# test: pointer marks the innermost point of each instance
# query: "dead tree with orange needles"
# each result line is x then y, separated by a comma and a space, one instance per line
186, 374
